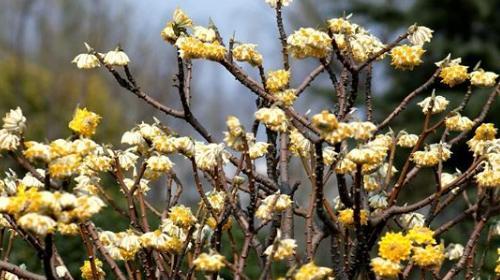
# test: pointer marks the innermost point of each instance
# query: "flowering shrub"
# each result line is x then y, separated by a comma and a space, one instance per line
371, 233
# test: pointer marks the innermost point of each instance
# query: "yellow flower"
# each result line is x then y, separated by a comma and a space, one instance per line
346, 217
310, 271
86, 270
286, 97
309, 42
485, 131
277, 80
385, 268
429, 255
182, 216
482, 78
325, 122
193, 48
274, 118
406, 57
453, 75
84, 122
458, 123
488, 178
285, 248
407, 140
341, 25
248, 53
394, 247
209, 262
421, 235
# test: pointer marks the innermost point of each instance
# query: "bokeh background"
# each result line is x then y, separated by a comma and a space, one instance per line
38, 39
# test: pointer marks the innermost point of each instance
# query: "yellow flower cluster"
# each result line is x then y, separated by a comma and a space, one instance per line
277, 80
286, 97
484, 136
204, 34
273, 204
407, 140
432, 155
346, 217
209, 262
325, 122
273, 118
453, 75
248, 53
182, 216
397, 247
458, 123
84, 122
208, 155
406, 57
483, 78
86, 270
309, 42
354, 40
193, 48
43, 212
385, 268
299, 145
180, 21
310, 271
285, 248
429, 256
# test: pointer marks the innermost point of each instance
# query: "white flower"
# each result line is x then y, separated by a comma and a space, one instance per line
30, 181
204, 34
454, 251
412, 220
496, 229
159, 163
258, 149
14, 121
86, 61
8, 141
132, 138
206, 156
274, 3
38, 224
439, 105
419, 35
61, 271
378, 201
127, 158
116, 58
143, 184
